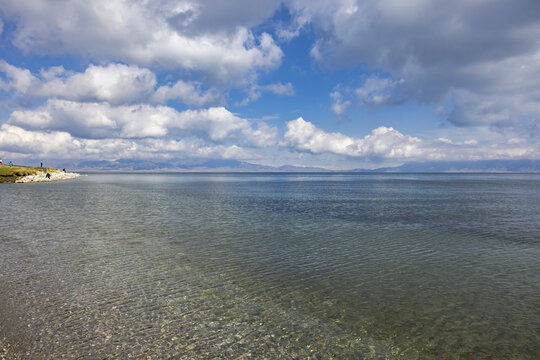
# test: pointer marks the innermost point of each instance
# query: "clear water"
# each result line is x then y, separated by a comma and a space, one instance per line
277, 266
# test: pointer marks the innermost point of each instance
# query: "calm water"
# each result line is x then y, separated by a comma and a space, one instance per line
276, 266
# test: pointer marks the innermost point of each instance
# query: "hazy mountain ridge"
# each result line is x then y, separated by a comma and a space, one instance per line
184, 165
525, 165
203, 165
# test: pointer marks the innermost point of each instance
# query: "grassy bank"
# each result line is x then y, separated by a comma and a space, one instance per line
12, 173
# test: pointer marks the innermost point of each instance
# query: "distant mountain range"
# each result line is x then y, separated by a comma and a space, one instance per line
465, 166
184, 165
526, 165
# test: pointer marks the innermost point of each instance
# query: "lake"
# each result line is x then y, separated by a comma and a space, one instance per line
277, 266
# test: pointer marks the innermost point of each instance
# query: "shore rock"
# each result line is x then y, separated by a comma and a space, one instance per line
42, 177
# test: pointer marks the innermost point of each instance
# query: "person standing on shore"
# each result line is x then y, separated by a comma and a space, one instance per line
11, 163
41, 165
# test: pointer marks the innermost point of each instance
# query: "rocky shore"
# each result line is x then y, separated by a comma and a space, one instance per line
42, 177
28, 174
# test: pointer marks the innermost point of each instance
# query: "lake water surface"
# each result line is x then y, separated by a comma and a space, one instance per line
277, 266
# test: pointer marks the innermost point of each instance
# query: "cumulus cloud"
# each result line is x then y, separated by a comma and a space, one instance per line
169, 35
62, 145
101, 120
443, 50
388, 144
113, 83
16, 78
383, 142
339, 107
17, 140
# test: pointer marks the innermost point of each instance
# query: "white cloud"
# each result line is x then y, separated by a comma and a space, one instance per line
279, 89
144, 33
17, 140
220, 124
382, 142
387, 144
17, 79
188, 93
113, 83
61, 145
339, 107
101, 120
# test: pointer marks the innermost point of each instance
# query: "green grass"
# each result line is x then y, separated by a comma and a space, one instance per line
12, 173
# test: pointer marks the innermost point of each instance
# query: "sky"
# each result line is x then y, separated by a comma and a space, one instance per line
337, 84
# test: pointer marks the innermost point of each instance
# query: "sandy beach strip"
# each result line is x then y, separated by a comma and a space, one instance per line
42, 177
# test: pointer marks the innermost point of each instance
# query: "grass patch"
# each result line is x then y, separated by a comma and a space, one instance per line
12, 173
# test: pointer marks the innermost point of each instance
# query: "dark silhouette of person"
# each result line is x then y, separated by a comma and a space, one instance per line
48, 176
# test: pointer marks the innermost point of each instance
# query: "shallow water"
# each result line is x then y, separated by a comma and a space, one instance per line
410, 266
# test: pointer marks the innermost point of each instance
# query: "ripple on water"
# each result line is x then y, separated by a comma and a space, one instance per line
272, 267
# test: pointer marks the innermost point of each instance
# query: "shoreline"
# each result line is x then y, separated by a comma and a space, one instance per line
28, 174
41, 177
